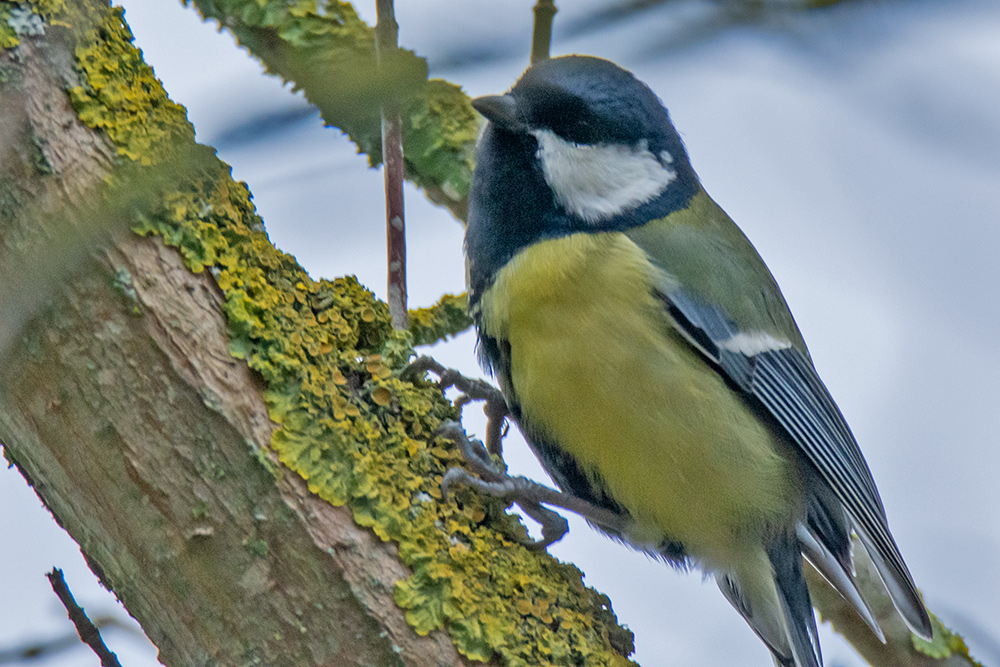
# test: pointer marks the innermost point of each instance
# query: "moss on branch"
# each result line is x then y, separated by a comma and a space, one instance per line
330, 360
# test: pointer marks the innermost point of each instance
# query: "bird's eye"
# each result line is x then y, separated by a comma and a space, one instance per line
579, 129
564, 114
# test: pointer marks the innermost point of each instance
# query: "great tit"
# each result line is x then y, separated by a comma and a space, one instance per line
650, 360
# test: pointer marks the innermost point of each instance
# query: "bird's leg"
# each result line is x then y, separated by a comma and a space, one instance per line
484, 475
527, 494
473, 389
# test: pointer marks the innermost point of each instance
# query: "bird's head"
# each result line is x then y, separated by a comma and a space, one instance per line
600, 137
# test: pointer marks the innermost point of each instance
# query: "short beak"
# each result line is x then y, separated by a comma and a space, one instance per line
500, 109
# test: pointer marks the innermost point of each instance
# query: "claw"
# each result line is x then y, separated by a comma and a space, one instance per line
520, 491
476, 389
554, 526
473, 452
473, 389
484, 475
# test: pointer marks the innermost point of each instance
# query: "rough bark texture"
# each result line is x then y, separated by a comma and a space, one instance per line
123, 407
139, 433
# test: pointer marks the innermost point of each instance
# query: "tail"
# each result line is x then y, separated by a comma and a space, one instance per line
897, 580
772, 594
779, 611
825, 539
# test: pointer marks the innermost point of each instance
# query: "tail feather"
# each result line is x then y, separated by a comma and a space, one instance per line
840, 577
898, 582
763, 617
773, 598
825, 538
793, 597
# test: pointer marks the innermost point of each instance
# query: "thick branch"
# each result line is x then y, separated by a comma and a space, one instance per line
131, 406
149, 443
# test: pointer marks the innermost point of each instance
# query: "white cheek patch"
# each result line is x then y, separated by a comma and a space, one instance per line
752, 344
597, 182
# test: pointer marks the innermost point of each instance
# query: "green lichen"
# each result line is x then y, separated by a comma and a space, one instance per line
328, 54
439, 134
200, 510
257, 547
944, 644
38, 156
21, 19
447, 317
330, 361
124, 284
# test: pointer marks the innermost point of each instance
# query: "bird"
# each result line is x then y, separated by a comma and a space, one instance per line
650, 360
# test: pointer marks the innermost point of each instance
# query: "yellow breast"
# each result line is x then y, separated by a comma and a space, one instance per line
597, 367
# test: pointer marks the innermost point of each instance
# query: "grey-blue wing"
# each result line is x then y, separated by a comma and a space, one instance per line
782, 381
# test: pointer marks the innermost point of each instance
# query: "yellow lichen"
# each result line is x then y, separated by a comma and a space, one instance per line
944, 644
382, 397
121, 96
349, 426
447, 317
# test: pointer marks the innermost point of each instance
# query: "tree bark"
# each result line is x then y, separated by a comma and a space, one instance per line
124, 409
123, 405
153, 393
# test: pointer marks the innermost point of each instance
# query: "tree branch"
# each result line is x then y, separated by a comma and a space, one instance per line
88, 632
330, 56
448, 317
169, 416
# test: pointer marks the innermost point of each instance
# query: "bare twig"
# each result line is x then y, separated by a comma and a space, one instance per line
47, 648
386, 41
541, 38
89, 633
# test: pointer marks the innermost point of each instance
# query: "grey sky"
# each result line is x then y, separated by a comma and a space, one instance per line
858, 148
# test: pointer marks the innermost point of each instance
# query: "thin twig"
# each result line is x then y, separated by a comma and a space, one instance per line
47, 648
89, 633
541, 38
386, 42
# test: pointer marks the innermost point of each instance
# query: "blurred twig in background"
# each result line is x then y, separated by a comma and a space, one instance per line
541, 37
386, 48
47, 648
685, 22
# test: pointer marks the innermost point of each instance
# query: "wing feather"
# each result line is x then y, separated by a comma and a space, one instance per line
782, 380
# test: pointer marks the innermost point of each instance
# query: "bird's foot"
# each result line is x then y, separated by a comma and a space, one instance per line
472, 389
487, 477
525, 493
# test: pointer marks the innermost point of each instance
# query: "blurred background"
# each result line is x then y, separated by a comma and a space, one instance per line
858, 146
